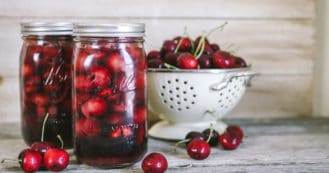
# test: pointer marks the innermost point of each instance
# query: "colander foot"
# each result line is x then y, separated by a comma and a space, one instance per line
177, 131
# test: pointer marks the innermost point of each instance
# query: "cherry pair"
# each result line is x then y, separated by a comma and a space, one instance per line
42, 155
199, 144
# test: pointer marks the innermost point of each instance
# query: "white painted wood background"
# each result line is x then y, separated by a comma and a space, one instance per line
276, 37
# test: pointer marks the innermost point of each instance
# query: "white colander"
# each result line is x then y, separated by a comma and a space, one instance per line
189, 100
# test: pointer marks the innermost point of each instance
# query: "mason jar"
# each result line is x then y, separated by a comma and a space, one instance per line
45, 82
109, 94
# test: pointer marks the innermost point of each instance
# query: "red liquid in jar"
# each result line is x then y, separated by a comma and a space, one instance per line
109, 101
45, 85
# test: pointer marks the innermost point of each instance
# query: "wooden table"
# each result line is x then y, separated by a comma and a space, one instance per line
271, 145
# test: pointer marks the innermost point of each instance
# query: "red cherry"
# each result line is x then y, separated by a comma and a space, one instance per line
100, 77
56, 159
186, 44
205, 61
27, 70
118, 106
171, 58
41, 111
30, 160
213, 138
168, 46
33, 52
42, 147
82, 97
240, 62
223, 59
229, 142
98, 55
155, 63
50, 51
94, 107
140, 115
214, 47
187, 61
197, 41
115, 132
136, 53
52, 110
87, 127
83, 61
31, 84
194, 135
40, 99
115, 63
155, 163
198, 149
235, 131
126, 131
153, 54
83, 83
207, 50
109, 95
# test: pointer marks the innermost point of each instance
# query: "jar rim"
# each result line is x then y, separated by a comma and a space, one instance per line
109, 29
46, 28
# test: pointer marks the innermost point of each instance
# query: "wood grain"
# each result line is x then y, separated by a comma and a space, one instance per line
271, 145
162, 8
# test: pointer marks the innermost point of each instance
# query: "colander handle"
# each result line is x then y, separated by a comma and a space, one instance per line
225, 81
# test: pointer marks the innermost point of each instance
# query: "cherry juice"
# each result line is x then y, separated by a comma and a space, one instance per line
109, 94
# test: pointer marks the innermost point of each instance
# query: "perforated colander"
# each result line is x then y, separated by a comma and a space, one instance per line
191, 99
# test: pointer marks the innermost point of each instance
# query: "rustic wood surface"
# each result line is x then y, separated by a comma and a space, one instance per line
272, 145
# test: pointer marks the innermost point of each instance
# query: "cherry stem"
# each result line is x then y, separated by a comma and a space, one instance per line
170, 66
181, 166
181, 142
221, 27
43, 127
187, 35
10, 159
202, 48
60, 140
211, 132
202, 39
178, 45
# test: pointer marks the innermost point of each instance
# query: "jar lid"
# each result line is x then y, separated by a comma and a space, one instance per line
110, 30
46, 28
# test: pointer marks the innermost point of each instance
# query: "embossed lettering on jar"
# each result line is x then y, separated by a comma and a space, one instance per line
109, 94
45, 81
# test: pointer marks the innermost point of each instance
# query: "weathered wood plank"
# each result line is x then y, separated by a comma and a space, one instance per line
163, 8
271, 145
278, 47
276, 96
321, 70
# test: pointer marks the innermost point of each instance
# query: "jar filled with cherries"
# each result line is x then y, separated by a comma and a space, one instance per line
109, 94
45, 81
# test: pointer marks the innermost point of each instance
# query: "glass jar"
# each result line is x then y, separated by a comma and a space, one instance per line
109, 94
45, 81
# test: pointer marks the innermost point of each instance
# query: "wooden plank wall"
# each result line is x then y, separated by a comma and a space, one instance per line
276, 37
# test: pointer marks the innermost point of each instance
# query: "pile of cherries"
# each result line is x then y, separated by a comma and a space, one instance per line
198, 146
43, 155
184, 53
